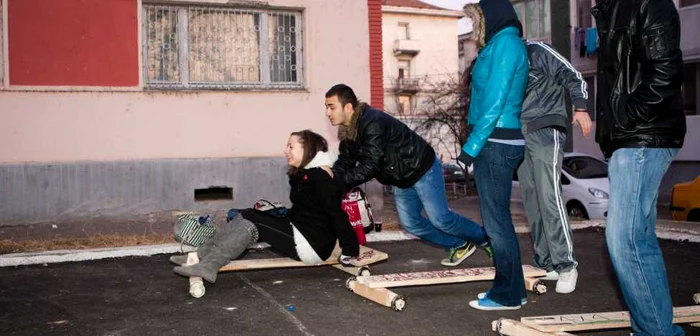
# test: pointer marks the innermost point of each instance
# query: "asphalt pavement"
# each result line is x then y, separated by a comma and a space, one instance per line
142, 296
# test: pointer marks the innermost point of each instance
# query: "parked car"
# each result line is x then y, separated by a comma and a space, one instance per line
453, 173
585, 186
685, 201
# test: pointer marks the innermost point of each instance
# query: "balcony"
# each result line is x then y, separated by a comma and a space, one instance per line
406, 47
407, 85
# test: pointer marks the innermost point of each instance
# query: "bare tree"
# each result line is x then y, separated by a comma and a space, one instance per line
440, 115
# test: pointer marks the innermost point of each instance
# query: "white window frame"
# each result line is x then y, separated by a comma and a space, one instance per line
264, 62
405, 28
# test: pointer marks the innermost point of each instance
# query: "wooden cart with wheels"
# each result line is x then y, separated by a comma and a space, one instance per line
360, 267
375, 287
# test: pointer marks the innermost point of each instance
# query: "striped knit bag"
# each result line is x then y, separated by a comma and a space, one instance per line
194, 230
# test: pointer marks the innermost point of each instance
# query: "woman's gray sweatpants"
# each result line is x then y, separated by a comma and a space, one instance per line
540, 185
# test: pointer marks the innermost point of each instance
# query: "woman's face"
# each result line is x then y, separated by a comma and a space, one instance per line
294, 151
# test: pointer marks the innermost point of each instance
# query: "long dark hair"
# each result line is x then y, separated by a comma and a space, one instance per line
313, 143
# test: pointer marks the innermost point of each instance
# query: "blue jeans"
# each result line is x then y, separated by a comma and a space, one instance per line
493, 174
442, 227
630, 232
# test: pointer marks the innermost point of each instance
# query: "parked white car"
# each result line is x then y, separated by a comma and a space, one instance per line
585, 186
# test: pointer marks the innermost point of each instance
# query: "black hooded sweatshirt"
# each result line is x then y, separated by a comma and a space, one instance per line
499, 14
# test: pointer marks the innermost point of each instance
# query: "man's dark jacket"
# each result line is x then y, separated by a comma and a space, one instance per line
640, 75
376, 145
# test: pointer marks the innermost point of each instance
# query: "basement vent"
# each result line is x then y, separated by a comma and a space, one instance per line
213, 194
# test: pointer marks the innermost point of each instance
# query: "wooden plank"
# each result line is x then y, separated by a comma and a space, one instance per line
607, 320
515, 328
439, 277
535, 285
367, 256
381, 296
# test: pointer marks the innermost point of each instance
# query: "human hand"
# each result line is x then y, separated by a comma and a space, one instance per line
328, 170
582, 118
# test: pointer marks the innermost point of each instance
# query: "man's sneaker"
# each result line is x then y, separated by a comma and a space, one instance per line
551, 276
489, 251
458, 254
523, 301
488, 304
567, 282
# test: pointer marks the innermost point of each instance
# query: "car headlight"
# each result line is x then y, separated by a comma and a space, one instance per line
597, 193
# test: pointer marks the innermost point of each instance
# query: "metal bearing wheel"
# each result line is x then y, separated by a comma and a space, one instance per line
539, 287
398, 303
348, 281
364, 271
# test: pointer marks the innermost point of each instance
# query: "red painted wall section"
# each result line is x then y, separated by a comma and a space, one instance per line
375, 54
73, 42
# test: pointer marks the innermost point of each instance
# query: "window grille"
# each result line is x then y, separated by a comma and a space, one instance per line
201, 47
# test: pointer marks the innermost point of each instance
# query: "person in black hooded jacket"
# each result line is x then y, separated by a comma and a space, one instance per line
309, 230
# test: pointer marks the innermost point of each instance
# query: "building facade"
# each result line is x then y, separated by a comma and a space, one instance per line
420, 54
686, 166
125, 107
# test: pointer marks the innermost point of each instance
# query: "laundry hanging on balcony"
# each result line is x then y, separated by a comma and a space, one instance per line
585, 41
591, 41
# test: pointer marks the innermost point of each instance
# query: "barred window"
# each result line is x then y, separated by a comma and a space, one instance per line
198, 47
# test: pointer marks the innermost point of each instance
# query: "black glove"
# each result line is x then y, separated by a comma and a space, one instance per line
466, 159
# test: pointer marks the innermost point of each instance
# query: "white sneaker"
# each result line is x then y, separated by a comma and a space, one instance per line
551, 276
567, 282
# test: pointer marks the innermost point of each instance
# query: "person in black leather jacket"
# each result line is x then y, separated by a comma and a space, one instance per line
373, 144
640, 128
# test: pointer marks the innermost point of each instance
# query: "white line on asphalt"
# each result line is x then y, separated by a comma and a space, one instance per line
279, 306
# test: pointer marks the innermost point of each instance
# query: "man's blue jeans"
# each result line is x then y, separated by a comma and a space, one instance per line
493, 173
443, 227
635, 176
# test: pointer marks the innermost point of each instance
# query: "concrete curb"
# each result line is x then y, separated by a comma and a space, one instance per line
678, 231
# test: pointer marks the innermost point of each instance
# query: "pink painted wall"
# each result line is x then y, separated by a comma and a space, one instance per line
64, 126
73, 42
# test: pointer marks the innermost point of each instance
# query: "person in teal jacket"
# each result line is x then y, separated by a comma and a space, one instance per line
495, 144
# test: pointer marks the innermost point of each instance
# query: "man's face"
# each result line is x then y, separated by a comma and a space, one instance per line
336, 113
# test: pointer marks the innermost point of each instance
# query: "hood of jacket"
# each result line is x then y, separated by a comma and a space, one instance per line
350, 132
498, 15
473, 12
322, 159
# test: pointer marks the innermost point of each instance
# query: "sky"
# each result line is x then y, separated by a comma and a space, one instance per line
464, 25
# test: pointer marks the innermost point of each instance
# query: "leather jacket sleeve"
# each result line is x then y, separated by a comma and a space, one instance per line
504, 63
331, 197
365, 164
660, 58
346, 158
